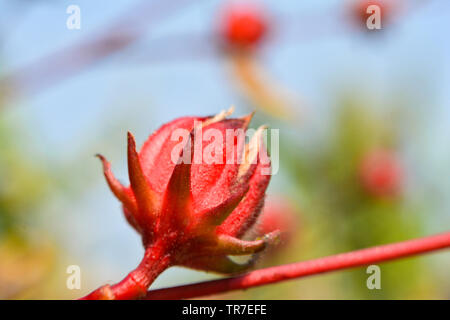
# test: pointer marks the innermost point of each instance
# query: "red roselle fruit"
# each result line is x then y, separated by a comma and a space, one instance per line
381, 173
360, 14
242, 25
192, 213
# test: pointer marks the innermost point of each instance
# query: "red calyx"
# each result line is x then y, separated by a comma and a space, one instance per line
191, 213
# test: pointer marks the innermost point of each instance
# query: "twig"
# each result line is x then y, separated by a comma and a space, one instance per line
306, 268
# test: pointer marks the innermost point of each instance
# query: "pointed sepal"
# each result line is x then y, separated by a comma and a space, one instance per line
147, 200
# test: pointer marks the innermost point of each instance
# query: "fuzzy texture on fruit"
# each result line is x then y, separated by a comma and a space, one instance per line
192, 213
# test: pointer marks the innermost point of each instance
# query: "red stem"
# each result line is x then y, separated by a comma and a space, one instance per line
136, 283
306, 268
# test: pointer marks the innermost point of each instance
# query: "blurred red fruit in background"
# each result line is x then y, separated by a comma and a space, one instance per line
381, 173
242, 26
360, 14
279, 214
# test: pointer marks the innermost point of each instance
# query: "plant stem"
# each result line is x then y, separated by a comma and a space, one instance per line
136, 283
306, 268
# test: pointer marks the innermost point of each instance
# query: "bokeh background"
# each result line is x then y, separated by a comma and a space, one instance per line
364, 120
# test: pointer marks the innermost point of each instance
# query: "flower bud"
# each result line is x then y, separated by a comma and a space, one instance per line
189, 210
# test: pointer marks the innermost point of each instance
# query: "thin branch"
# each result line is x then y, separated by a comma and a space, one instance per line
306, 268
